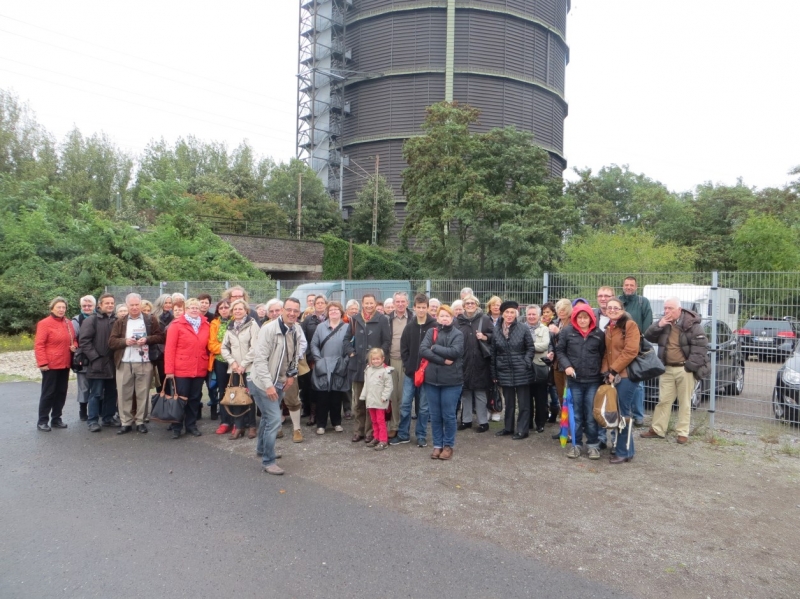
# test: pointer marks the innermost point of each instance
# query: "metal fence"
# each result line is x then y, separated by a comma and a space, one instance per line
750, 318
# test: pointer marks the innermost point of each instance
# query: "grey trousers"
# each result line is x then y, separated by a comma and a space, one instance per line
83, 388
474, 399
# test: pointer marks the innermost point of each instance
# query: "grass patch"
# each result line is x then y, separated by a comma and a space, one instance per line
719, 441
13, 378
23, 342
789, 449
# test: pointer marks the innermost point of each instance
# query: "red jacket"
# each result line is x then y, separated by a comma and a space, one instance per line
54, 337
186, 352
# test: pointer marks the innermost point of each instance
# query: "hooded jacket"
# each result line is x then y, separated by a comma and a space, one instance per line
476, 366
410, 341
366, 335
512, 358
582, 351
693, 342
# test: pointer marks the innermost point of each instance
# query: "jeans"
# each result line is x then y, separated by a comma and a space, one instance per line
555, 404
474, 399
270, 422
102, 400
409, 393
582, 407
442, 403
626, 391
638, 402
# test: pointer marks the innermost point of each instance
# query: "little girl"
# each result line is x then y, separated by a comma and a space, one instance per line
376, 392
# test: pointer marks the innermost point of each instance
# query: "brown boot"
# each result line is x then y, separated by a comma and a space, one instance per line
297, 436
236, 433
436, 453
446, 454
251, 432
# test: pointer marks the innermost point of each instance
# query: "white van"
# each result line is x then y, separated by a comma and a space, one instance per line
696, 298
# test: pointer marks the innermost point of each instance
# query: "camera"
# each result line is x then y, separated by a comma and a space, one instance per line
291, 372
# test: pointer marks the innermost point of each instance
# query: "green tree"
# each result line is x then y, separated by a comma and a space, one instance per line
27, 151
764, 243
630, 251
320, 214
360, 223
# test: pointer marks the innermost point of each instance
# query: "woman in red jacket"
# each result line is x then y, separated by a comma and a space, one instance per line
186, 359
54, 346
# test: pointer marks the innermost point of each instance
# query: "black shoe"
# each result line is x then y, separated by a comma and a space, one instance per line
602, 445
557, 436
58, 423
503, 433
214, 413
43, 426
517, 437
84, 411
195, 433
176, 433
482, 428
124, 430
141, 428
397, 440
464, 426
539, 429
95, 428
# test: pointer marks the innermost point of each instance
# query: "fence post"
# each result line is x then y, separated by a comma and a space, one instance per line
227, 284
161, 286
428, 288
712, 393
186, 289
344, 299
545, 286
278, 288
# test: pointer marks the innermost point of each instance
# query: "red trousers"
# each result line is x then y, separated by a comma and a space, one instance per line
378, 418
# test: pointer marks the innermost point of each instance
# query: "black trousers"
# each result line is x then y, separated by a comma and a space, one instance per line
308, 396
518, 397
54, 394
215, 394
192, 389
329, 402
541, 410
239, 420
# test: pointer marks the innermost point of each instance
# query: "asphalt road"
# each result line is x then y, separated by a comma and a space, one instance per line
97, 515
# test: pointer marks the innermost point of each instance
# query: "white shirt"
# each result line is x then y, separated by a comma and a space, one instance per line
136, 353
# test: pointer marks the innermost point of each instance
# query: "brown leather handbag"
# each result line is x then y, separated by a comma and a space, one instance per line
236, 396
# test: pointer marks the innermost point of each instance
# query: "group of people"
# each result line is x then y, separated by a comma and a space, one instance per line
390, 363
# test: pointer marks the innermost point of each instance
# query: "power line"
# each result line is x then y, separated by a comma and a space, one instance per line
124, 66
88, 43
125, 91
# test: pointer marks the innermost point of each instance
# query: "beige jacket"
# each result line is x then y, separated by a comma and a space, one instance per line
240, 348
377, 386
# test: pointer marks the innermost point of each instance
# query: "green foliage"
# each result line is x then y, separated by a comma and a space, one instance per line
360, 223
629, 251
764, 243
369, 261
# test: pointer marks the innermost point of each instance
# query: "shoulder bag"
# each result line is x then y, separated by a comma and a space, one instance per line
167, 408
419, 375
646, 365
236, 396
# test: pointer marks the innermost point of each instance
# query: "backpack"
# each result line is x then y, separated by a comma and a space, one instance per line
606, 409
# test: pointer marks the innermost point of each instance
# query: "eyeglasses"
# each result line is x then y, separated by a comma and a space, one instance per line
613, 308
598, 295
470, 304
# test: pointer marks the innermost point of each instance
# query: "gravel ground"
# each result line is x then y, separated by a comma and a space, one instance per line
21, 365
707, 519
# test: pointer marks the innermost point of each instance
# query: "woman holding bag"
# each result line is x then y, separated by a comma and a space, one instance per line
238, 349
330, 349
622, 347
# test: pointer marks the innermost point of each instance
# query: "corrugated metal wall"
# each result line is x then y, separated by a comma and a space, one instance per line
510, 58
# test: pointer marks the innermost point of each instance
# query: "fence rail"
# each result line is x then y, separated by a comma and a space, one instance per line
749, 315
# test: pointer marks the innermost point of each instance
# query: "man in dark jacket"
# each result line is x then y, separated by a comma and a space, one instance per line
638, 307
683, 348
580, 350
95, 333
370, 329
412, 336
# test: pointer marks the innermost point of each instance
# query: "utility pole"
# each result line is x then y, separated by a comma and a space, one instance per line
375, 203
350, 262
299, 203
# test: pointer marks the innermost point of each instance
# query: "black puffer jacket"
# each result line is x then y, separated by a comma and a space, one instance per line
476, 366
512, 358
449, 345
309, 326
410, 341
366, 335
95, 333
693, 342
584, 353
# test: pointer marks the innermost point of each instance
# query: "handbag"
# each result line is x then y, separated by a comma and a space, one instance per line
419, 374
167, 408
494, 398
646, 365
236, 395
486, 351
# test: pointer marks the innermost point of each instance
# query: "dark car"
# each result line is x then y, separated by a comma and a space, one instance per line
730, 369
768, 338
786, 395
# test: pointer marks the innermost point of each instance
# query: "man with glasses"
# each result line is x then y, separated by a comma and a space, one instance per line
642, 314
603, 295
683, 348
274, 371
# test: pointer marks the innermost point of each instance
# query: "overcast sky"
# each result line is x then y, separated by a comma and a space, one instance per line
685, 91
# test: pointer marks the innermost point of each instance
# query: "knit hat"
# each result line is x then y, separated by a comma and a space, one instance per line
508, 304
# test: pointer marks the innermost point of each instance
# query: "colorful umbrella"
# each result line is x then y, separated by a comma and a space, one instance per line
567, 418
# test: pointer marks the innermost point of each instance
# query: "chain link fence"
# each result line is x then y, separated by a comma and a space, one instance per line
751, 319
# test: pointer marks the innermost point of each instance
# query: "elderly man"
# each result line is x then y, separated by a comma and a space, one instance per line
132, 338
540, 373
433, 307
639, 308
94, 344
274, 309
398, 319
274, 371
88, 304
683, 348
466, 292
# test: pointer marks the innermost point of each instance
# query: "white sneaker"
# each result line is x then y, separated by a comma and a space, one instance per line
574, 452
594, 453
320, 431
338, 428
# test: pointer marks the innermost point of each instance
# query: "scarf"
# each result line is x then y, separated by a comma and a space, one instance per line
195, 322
238, 324
506, 329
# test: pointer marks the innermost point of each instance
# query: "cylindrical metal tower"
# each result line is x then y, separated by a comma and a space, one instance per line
505, 57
